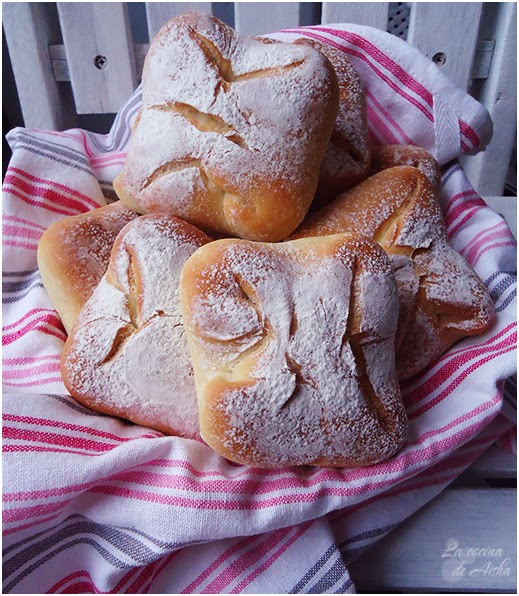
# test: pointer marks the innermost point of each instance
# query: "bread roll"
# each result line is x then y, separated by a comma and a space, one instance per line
389, 156
232, 131
73, 256
127, 354
293, 351
442, 298
347, 158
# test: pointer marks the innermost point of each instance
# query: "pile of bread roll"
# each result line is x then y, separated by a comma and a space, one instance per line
267, 278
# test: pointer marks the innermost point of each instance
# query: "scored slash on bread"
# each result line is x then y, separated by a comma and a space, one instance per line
232, 130
442, 299
127, 354
73, 255
293, 351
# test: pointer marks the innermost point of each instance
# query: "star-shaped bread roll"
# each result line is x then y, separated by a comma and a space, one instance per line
384, 157
347, 158
127, 354
293, 351
232, 130
442, 299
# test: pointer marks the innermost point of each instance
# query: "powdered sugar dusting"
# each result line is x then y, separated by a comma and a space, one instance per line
373, 208
446, 302
295, 389
128, 354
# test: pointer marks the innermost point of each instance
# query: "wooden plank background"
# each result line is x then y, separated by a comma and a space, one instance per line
421, 554
448, 32
363, 13
89, 29
100, 55
29, 29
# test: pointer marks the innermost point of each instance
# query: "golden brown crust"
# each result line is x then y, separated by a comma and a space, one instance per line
380, 207
73, 256
348, 155
442, 299
232, 131
293, 351
389, 156
127, 354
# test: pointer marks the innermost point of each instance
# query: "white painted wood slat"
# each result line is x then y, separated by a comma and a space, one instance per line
448, 30
256, 18
429, 551
487, 171
29, 31
372, 14
100, 54
159, 13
